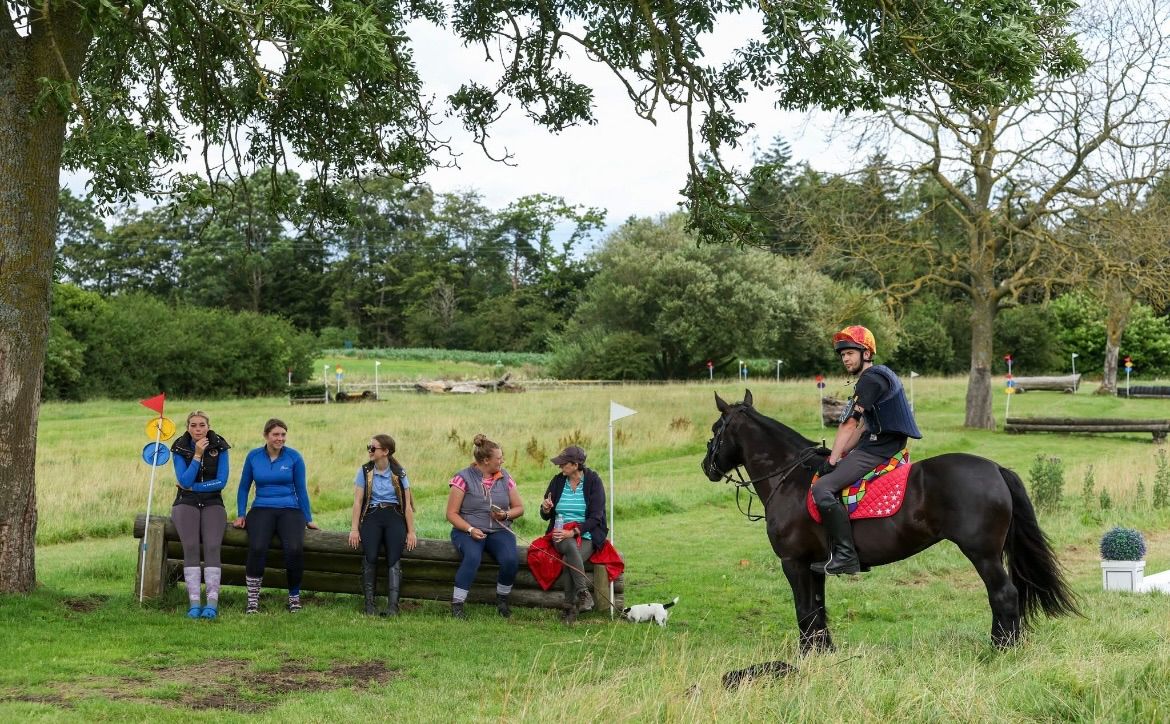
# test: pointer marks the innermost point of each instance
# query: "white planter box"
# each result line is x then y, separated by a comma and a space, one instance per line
1122, 575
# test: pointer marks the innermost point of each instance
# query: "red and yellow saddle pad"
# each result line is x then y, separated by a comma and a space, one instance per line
878, 494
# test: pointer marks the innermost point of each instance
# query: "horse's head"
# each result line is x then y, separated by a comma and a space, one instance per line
724, 453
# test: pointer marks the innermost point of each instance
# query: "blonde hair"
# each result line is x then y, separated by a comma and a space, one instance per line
483, 448
199, 413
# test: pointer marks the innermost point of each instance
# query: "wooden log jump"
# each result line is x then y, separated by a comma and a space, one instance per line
1066, 383
428, 572
1159, 428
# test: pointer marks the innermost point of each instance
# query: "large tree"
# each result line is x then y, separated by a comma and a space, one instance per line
995, 183
124, 88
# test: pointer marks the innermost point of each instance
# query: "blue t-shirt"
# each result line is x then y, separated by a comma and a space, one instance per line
571, 506
383, 491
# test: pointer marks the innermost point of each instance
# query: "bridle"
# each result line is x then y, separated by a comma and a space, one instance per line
741, 485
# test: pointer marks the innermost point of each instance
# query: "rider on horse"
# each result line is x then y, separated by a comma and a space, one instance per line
880, 401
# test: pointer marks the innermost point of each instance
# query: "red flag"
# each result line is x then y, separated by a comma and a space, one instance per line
155, 403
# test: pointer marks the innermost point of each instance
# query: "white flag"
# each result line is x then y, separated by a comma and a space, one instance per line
913, 375
617, 412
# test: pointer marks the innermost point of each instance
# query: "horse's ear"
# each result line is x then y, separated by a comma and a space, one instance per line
720, 404
747, 397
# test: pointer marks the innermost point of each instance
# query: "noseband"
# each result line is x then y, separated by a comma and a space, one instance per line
741, 485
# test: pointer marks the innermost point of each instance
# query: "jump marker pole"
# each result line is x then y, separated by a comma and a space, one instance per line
150, 493
616, 412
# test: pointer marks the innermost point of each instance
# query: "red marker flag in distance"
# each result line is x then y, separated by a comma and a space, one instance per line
155, 403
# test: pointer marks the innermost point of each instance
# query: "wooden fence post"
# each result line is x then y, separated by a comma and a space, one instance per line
152, 576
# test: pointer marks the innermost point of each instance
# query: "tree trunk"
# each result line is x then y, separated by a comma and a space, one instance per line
1118, 304
31, 141
979, 378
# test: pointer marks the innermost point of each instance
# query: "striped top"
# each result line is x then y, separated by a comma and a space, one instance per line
571, 506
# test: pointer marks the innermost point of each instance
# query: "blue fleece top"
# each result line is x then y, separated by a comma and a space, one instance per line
186, 472
280, 483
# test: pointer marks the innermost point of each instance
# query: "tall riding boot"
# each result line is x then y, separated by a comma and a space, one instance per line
842, 554
394, 586
369, 585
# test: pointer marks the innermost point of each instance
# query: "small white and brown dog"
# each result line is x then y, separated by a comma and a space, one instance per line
656, 612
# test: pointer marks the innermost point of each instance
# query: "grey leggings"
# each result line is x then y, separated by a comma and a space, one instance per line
849, 470
575, 558
194, 524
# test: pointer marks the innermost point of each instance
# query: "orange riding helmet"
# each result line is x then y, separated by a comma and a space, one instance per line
855, 337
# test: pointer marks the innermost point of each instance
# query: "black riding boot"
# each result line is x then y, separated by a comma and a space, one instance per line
394, 586
842, 555
369, 585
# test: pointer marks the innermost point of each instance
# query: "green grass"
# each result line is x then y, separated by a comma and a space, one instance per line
414, 364
913, 637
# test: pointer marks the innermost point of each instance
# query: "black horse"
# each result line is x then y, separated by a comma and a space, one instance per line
971, 501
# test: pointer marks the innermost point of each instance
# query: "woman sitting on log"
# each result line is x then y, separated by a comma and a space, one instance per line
481, 506
576, 495
281, 506
201, 471
383, 513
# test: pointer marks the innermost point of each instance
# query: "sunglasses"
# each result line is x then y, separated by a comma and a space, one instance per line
372, 448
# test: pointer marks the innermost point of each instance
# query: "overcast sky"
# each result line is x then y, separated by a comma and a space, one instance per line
623, 164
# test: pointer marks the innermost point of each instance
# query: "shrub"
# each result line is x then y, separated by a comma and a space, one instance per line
1122, 544
1047, 475
1161, 480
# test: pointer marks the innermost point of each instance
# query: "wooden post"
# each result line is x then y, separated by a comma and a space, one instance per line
155, 569
601, 590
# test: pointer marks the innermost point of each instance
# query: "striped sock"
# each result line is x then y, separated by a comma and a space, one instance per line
212, 576
191, 576
459, 596
503, 590
253, 584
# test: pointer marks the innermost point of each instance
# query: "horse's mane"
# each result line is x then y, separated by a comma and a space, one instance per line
786, 435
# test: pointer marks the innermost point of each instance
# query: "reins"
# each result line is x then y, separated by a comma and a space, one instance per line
741, 485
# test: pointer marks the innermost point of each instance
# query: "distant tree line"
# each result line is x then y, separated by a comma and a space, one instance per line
407, 266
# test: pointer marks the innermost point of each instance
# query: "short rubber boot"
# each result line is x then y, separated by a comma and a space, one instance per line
584, 600
457, 610
842, 553
502, 606
394, 587
369, 586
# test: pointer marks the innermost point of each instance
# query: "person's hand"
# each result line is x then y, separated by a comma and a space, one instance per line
826, 468
476, 534
355, 539
499, 514
547, 504
312, 526
201, 447
411, 541
239, 522
560, 535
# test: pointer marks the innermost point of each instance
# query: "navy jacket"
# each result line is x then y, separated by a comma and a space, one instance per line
595, 523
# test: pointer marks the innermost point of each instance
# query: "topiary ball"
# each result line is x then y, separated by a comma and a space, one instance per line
1122, 544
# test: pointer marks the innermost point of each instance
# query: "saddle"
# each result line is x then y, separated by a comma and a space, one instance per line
878, 494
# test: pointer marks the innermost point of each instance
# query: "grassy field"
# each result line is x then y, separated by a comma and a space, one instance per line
427, 364
913, 637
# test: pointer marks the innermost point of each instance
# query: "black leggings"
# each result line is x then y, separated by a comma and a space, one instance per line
289, 524
383, 526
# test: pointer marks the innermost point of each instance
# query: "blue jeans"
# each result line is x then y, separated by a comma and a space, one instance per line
502, 547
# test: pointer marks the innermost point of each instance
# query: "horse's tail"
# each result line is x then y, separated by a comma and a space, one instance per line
1035, 572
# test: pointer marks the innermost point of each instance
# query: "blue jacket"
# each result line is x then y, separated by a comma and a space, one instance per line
280, 483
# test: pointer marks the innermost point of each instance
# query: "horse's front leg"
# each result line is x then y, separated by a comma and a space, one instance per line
808, 593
